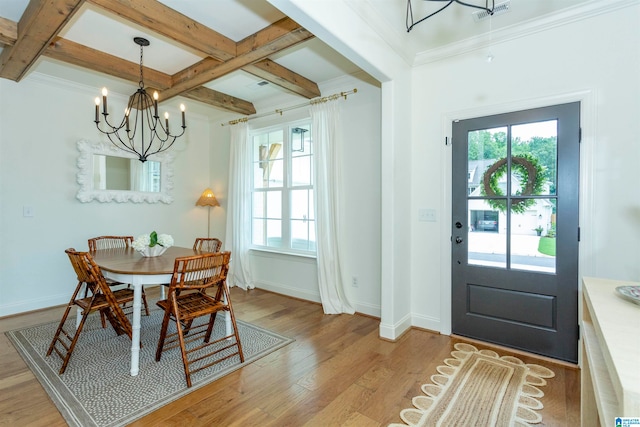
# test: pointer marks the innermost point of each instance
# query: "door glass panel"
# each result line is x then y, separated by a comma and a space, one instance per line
485, 147
534, 149
487, 244
533, 239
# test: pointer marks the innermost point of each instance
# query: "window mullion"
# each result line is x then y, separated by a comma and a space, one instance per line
286, 190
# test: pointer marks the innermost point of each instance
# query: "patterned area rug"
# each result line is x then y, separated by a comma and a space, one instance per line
97, 389
479, 388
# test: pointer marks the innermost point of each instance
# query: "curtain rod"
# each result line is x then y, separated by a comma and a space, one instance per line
280, 111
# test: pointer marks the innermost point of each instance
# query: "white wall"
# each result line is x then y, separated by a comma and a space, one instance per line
557, 64
40, 121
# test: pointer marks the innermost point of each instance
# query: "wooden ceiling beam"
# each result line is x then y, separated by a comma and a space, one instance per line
220, 100
163, 20
77, 54
153, 15
274, 38
38, 27
8, 31
283, 77
95, 60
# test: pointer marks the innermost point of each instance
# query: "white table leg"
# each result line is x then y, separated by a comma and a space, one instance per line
135, 326
137, 281
227, 320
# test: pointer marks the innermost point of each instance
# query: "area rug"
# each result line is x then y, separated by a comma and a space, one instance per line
97, 389
478, 388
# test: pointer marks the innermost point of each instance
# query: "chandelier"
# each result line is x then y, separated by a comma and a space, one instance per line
409, 18
141, 132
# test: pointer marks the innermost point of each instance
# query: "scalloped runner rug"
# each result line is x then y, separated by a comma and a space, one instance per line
97, 390
478, 388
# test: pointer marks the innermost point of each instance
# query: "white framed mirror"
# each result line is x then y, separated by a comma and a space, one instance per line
107, 174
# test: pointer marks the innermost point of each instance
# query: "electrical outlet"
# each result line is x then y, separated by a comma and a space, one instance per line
354, 281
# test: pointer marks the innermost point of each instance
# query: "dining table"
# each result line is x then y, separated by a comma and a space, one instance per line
126, 265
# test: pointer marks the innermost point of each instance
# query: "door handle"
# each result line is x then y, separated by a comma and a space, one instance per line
459, 240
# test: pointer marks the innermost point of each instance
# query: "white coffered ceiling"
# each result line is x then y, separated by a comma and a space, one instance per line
93, 26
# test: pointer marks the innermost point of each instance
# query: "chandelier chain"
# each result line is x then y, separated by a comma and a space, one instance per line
141, 83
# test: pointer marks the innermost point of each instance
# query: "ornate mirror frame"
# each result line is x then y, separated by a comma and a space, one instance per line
87, 193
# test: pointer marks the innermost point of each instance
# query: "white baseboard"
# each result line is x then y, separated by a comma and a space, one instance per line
426, 322
307, 295
279, 288
393, 331
368, 309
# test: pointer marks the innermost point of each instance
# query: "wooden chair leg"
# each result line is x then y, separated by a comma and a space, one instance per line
103, 320
163, 335
212, 319
185, 360
59, 330
144, 301
234, 324
73, 343
69, 349
117, 324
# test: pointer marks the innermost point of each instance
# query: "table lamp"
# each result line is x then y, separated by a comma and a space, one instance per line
208, 199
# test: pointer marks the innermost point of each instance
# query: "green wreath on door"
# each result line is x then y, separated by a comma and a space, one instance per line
530, 173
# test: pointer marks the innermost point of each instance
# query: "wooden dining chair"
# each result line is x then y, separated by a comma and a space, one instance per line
101, 299
207, 244
115, 242
187, 301
110, 242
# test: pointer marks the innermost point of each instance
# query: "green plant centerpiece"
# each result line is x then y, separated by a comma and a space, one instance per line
530, 173
152, 244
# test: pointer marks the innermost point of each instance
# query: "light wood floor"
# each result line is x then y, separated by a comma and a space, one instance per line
337, 373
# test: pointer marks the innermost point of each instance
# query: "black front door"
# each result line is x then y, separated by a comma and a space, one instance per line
515, 230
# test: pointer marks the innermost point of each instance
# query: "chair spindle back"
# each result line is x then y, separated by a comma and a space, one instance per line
211, 244
110, 242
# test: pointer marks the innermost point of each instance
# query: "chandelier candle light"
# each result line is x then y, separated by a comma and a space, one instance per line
124, 136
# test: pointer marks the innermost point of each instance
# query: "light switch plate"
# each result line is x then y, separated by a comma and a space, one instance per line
428, 215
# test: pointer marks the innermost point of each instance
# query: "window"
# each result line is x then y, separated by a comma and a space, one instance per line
282, 199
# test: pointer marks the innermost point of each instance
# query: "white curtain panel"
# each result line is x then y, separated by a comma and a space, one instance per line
238, 235
327, 184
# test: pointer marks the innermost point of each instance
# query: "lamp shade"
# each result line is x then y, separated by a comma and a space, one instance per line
207, 198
